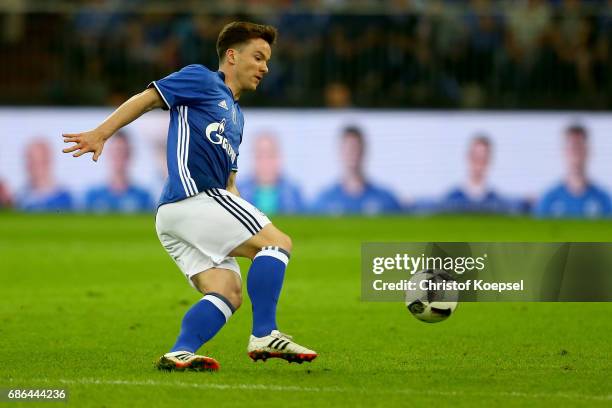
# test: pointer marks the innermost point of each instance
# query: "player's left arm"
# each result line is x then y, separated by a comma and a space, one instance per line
231, 184
93, 140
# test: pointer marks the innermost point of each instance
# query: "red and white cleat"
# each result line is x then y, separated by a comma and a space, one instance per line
185, 360
278, 345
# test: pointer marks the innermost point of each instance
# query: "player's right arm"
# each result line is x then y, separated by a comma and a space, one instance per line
93, 140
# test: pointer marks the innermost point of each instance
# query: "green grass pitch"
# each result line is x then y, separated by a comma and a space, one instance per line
89, 302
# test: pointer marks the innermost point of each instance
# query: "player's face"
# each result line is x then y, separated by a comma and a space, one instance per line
576, 151
267, 160
352, 152
120, 155
38, 161
479, 157
252, 63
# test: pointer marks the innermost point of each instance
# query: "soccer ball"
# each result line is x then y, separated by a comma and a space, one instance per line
430, 302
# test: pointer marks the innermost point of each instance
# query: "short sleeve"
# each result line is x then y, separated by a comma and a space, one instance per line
183, 87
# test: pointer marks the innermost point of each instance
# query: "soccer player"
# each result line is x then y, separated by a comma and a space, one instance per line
119, 194
269, 189
201, 220
476, 195
576, 196
354, 193
42, 193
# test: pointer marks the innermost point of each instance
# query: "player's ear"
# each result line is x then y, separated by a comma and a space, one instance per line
230, 56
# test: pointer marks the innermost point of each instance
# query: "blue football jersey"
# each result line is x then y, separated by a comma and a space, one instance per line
204, 134
459, 200
372, 200
55, 200
594, 202
103, 199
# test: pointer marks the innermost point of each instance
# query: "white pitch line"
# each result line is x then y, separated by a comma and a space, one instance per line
265, 387
262, 387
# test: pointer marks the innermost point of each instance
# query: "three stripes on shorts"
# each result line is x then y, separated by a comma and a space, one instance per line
233, 207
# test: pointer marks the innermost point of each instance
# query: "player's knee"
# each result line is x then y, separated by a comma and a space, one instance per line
270, 239
284, 241
281, 240
236, 300
234, 296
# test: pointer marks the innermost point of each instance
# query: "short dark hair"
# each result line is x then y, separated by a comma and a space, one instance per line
356, 133
353, 131
577, 129
122, 136
482, 139
239, 32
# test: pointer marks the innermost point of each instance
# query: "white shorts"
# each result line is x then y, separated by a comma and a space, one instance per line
200, 231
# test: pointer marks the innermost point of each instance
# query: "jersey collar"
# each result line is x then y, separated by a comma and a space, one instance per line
222, 76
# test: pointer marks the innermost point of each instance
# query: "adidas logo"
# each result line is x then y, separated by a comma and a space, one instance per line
278, 344
223, 104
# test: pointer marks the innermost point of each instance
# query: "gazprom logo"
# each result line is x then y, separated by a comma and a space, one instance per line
214, 133
218, 128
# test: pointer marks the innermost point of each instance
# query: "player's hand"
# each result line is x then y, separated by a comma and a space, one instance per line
92, 141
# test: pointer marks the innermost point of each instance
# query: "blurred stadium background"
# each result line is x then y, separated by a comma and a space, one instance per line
441, 106
371, 107
547, 54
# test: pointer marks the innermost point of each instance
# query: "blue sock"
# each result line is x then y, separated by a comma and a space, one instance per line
264, 285
203, 321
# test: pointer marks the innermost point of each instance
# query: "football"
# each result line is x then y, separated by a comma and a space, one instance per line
431, 301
